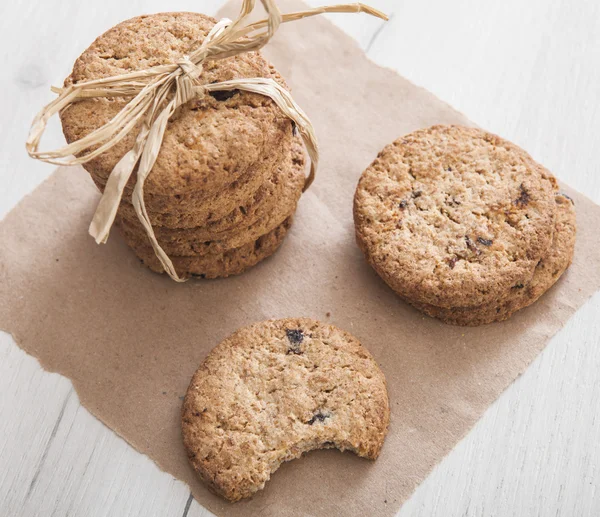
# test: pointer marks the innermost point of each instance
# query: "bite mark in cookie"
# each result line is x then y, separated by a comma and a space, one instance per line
253, 405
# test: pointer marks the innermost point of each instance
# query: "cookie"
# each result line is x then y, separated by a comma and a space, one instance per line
209, 142
216, 265
454, 216
275, 390
200, 206
202, 241
546, 274
283, 179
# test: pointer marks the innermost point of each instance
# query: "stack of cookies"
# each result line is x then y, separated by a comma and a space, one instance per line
230, 171
463, 225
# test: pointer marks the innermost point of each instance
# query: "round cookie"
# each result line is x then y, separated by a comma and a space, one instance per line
454, 216
217, 265
546, 274
200, 241
275, 390
209, 142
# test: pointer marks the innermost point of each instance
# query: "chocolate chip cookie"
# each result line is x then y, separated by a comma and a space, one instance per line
275, 390
454, 217
546, 274
209, 142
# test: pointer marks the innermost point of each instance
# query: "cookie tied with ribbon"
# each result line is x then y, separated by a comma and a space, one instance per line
187, 108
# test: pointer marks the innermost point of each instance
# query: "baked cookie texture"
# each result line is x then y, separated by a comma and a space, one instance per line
275, 390
209, 142
455, 219
283, 191
230, 171
220, 264
547, 272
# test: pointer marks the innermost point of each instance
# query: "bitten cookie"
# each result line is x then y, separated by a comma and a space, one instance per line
277, 389
546, 274
454, 216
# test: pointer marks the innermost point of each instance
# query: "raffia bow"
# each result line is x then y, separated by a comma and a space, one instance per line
156, 93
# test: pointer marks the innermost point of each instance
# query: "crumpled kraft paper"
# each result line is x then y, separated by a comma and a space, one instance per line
130, 340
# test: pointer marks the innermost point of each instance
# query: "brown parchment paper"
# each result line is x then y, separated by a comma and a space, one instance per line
130, 340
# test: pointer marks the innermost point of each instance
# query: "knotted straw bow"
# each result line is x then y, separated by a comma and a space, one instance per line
156, 93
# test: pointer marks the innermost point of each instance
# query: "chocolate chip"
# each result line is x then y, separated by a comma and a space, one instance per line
448, 169
318, 417
223, 95
485, 242
523, 198
294, 129
452, 262
471, 245
416, 194
403, 204
518, 286
295, 337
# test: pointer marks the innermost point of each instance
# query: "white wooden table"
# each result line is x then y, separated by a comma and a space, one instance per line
528, 70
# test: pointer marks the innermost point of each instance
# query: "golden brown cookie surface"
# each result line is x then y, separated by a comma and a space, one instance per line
277, 389
209, 142
546, 274
454, 216
279, 201
217, 265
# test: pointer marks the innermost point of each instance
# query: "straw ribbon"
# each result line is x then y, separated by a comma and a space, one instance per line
156, 93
